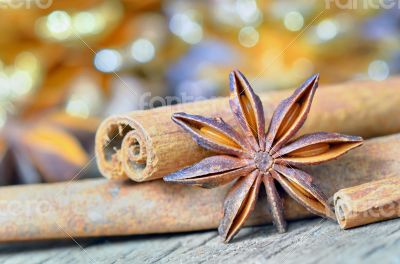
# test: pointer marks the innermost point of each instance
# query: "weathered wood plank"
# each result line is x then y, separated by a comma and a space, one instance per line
309, 241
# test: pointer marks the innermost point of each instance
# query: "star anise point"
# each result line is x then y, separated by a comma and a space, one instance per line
256, 155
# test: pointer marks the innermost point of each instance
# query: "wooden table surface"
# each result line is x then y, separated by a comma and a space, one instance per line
308, 241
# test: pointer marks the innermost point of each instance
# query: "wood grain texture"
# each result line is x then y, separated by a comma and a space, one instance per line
306, 242
146, 145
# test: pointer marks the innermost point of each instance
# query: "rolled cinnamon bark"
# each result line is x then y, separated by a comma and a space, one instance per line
368, 203
147, 145
102, 207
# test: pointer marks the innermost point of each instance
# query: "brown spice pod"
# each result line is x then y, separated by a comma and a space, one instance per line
147, 145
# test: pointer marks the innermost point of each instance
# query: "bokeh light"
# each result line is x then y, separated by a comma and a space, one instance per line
108, 60
248, 37
27, 61
186, 28
378, 70
142, 50
5, 89
78, 108
3, 117
327, 30
59, 24
20, 82
248, 11
84, 22
293, 21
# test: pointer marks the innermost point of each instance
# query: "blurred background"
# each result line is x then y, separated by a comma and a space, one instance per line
65, 65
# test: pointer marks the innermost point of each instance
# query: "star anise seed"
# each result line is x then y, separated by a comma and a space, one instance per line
256, 156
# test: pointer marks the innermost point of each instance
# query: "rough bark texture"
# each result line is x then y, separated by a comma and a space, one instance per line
147, 145
103, 207
368, 203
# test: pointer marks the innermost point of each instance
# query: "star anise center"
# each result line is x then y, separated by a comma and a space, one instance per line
278, 153
263, 161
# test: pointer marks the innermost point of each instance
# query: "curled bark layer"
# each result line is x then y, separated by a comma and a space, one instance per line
147, 145
368, 203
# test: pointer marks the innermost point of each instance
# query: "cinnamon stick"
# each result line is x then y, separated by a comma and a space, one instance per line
368, 203
103, 207
147, 145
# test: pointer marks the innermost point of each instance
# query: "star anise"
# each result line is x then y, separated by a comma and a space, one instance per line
255, 155
53, 148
